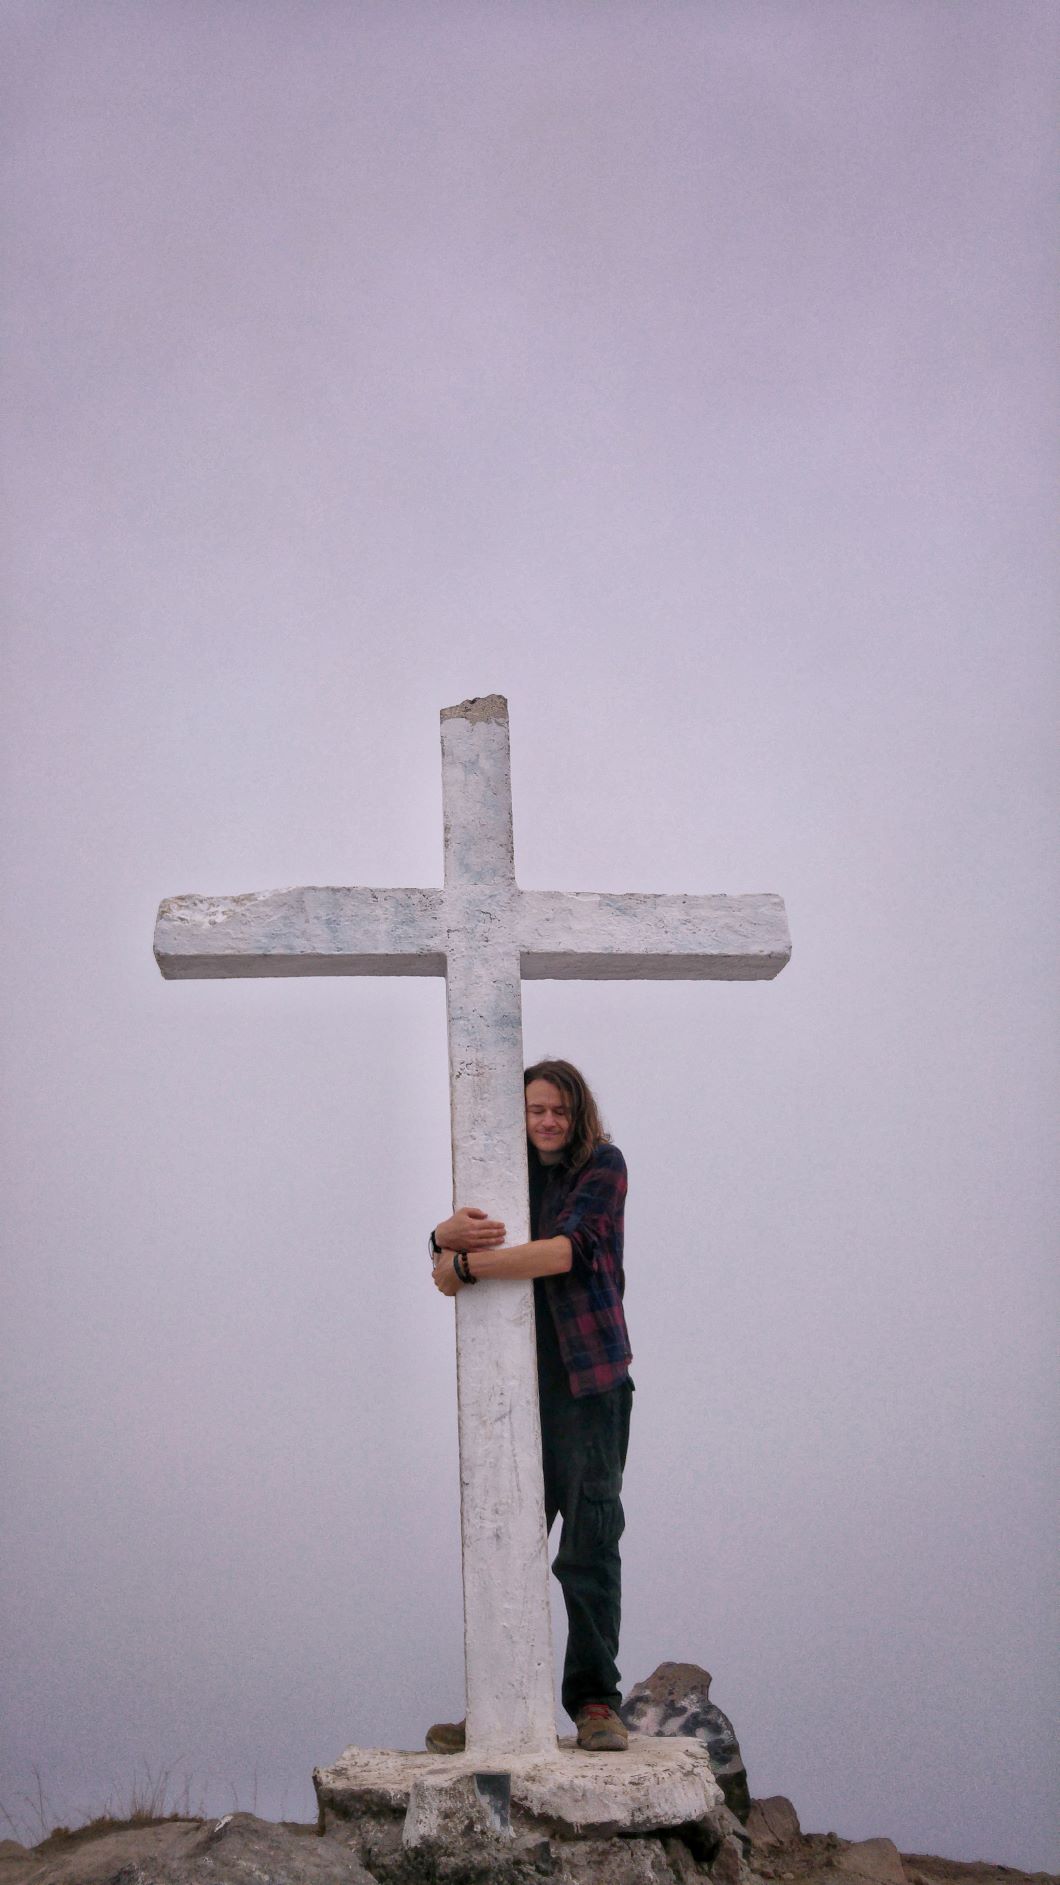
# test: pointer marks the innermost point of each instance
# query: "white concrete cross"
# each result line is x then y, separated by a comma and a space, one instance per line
484, 935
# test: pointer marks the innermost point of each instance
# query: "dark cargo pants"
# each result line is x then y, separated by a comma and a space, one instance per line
583, 1446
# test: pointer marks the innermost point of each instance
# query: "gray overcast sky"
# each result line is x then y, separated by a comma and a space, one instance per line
684, 373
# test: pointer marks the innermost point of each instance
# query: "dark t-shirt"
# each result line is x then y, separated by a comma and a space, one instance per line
551, 1372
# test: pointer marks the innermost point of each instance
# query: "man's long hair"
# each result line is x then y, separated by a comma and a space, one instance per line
587, 1131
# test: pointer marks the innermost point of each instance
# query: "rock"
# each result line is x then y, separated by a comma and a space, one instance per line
229, 1851
878, 1861
674, 1701
723, 1824
773, 1822
241, 1850
536, 1852
681, 1863
728, 1866
618, 1862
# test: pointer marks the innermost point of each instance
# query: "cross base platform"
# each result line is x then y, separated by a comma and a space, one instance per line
659, 1784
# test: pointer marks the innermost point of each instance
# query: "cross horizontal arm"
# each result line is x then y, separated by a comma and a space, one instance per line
591, 936
302, 932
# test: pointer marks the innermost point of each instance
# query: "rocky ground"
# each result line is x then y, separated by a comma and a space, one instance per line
741, 1842
241, 1850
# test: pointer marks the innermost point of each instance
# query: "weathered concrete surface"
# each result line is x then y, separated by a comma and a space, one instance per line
656, 1786
510, 1705
600, 936
484, 935
480, 707
675, 1700
557, 935
302, 932
473, 1806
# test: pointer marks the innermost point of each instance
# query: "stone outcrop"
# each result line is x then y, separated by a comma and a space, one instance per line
654, 1816
773, 1822
675, 1700
241, 1850
872, 1862
230, 1851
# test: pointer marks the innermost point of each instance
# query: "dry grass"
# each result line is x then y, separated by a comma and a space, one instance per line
153, 1797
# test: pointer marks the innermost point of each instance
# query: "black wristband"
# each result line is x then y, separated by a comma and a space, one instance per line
463, 1273
434, 1246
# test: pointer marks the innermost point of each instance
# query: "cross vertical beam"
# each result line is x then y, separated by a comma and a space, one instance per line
507, 1624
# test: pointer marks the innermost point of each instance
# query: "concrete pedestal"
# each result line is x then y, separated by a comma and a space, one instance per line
659, 1784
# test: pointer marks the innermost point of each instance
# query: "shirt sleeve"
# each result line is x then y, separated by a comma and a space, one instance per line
592, 1212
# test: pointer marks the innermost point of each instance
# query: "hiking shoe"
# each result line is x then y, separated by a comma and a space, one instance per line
599, 1729
447, 1737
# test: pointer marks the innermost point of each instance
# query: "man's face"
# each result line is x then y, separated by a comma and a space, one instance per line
548, 1120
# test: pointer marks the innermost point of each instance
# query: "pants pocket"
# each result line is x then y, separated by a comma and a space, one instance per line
603, 1518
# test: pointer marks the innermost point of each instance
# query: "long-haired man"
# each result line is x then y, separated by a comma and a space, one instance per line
575, 1257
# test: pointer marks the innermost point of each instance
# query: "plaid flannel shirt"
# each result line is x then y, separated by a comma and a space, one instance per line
586, 1301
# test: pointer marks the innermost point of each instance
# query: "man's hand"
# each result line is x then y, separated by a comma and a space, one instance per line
444, 1276
469, 1229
